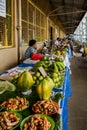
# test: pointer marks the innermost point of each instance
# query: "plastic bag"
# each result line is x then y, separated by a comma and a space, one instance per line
36, 56
81, 50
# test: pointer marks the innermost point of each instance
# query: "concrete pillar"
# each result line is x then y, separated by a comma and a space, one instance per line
19, 28
86, 27
47, 28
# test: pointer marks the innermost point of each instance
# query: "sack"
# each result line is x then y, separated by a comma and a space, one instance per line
36, 57
81, 50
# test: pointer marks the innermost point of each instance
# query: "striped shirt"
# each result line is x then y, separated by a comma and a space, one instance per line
29, 51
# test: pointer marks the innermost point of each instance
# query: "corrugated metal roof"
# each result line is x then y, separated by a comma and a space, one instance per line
69, 12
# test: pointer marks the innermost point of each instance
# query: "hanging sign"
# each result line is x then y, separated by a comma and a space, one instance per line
3, 8
42, 71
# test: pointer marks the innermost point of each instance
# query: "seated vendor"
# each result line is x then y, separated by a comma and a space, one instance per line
32, 49
44, 50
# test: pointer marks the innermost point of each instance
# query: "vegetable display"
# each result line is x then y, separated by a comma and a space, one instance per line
41, 101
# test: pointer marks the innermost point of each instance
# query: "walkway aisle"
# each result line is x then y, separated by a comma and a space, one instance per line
78, 102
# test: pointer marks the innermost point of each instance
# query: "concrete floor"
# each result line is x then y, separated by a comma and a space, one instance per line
78, 101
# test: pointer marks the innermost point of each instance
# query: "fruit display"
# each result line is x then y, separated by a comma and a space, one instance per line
44, 88
25, 81
37, 77
45, 63
6, 86
57, 78
47, 107
15, 104
8, 120
45, 97
57, 66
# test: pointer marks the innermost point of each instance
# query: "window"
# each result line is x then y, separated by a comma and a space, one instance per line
6, 26
33, 22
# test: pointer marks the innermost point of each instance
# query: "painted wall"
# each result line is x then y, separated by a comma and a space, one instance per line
8, 58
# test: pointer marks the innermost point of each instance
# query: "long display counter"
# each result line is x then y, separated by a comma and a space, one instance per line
61, 120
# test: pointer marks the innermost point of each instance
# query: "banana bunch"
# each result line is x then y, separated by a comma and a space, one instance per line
57, 66
53, 68
61, 66
37, 65
45, 63
59, 59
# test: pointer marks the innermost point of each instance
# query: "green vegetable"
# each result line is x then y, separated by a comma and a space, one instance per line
57, 97
58, 123
6, 86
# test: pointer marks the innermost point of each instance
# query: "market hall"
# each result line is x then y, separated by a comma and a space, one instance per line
43, 64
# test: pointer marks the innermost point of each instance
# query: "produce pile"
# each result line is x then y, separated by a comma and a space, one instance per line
36, 122
35, 107
8, 120
15, 104
47, 107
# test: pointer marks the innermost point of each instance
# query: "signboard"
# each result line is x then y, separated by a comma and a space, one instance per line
42, 71
3, 8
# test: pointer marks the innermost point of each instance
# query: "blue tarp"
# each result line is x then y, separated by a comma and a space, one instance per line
26, 65
68, 93
70, 53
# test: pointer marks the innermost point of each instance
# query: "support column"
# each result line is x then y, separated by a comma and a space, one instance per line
86, 27
47, 28
19, 28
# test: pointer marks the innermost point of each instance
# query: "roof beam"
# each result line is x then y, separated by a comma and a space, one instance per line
55, 10
69, 13
69, 27
70, 22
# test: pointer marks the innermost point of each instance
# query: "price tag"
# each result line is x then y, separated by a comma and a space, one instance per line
42, 71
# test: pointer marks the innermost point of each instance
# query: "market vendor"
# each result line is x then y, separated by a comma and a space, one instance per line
32, 49
57, 42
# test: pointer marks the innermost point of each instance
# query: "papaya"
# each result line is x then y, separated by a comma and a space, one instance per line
50, 81
25, 81
44, 88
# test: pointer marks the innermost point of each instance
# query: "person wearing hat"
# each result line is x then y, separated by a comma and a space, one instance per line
32, 49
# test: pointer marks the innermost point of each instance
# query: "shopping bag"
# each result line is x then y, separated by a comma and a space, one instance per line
36, 56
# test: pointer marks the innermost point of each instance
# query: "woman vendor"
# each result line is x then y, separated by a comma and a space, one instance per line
32, 49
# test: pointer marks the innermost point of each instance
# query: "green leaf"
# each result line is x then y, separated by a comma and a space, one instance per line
58, 123
57, 97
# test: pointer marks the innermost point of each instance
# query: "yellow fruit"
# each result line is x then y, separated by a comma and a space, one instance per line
16, 76
58, 53
41, 77
25, 81
44, 88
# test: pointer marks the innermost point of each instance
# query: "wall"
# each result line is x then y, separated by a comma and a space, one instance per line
8, 58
